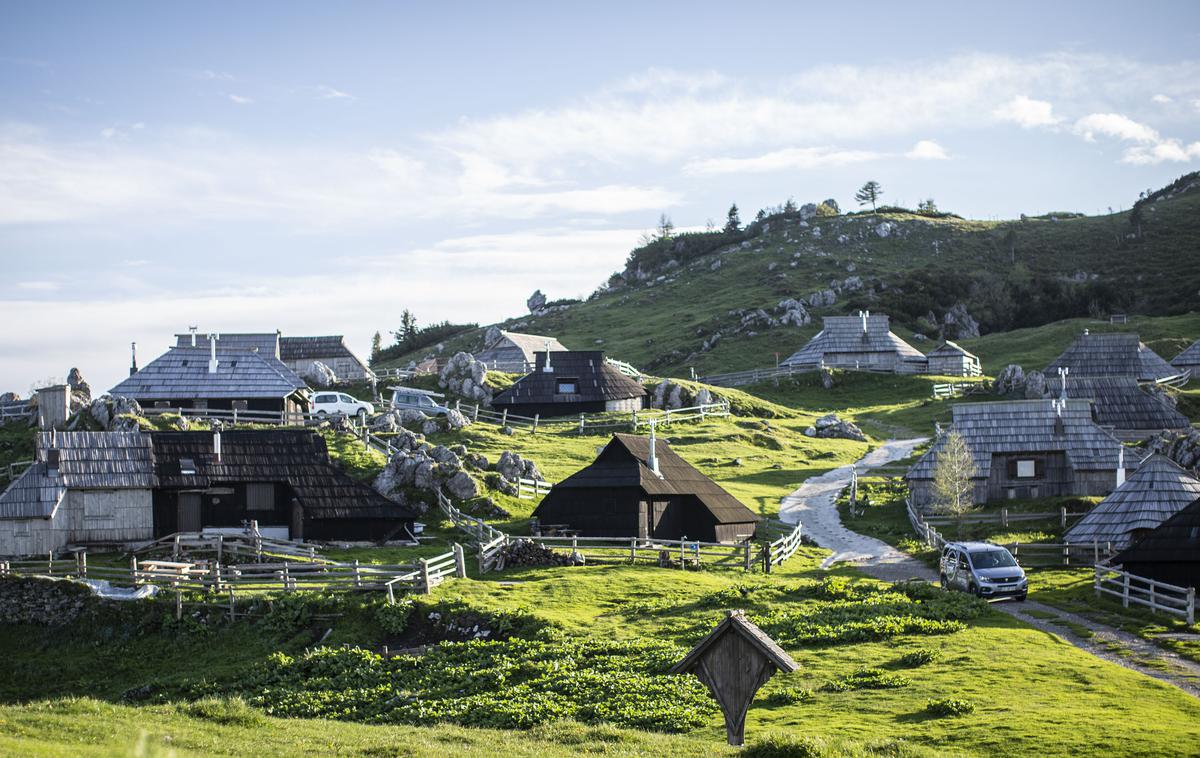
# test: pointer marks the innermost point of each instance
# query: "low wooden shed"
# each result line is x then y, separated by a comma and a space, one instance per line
1189, 360
1111, 354
639, 488
951, 359
514, 352
571, 382
863, 343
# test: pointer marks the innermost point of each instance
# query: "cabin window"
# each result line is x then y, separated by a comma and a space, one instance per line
99, 504
200, 404
1026, 469
161, 404
187, 467
260, 497
241, 405
567, 387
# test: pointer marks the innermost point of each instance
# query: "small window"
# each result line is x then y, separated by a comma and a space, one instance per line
567, 387
187, 467
426, 400
241, 405
1026, 469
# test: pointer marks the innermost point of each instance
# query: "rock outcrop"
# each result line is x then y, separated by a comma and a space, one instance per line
1183, 448
319, 375
115, 414
958, 324
464, 376
1010, 380
830, 426
1035, 386
536, 301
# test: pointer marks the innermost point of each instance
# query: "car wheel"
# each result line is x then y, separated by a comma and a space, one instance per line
320, 413
1021, 598
974, 590
944, 582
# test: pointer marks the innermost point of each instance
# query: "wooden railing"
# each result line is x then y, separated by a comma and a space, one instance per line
784, 546
531, 489
751, 376
1003, 517
13, 470
19, 409
1139, 590
276, 418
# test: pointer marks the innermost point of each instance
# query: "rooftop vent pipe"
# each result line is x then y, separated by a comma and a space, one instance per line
212, 353
217, 442
1062, 377
548, 368
652, 457
864, 315
1121, 466
133, 358
193, 329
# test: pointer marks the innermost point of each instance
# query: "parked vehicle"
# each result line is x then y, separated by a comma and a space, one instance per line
329, 403
421, 400
983, 569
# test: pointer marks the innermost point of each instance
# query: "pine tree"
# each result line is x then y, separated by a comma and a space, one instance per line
927, 206
376, 346
408, 329
666, 229
953, 490
733, 220
790, 206
869, 193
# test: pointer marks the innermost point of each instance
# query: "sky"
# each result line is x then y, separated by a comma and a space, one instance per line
317, 168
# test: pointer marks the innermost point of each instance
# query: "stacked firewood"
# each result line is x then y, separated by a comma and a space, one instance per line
529, 553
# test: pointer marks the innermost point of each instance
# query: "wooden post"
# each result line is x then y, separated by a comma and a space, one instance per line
1125, 590
682, 557
133, 571
1063, 512
287, 582
1095, 552
1153, 603
1191, 606
1096, 580
178, 601
426, 587
536, 416
504, 418
1066, 554
460, 562
635, 419
391, 594
81, 564
767, 558
357, 575
458, 405
232, 608
1004, 517
633, 549
747, 555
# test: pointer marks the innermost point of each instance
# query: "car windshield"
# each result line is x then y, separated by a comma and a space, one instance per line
990, 559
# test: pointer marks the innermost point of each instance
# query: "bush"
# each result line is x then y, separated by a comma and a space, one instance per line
866, 679
919, 657
789, 696
788, 746
225, 711
949, 707
393, 619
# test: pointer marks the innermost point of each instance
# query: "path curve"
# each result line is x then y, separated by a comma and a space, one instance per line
814, 504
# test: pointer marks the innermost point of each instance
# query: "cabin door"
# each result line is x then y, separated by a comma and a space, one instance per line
297, 530
188, 515
661, 525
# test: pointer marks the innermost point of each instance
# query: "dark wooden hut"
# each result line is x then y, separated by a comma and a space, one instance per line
641, 488
1122, 405
1025, 449
281, 478
1111, 354
1168, 553
863, 342
570, 382
1156, 491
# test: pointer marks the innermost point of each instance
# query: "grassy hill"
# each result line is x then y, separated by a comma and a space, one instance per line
675, 295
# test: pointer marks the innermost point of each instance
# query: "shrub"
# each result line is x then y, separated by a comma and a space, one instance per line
789, 746
225, 711
866, 679
393, 619
789, 696
919, 657
949, 707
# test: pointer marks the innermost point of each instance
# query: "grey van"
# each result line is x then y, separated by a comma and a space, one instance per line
983, 569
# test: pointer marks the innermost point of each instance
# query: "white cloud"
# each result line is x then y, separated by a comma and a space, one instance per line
241, 99
927, 150
1114, 125
325, 92
38, 286
1167, 150
1027, 112
1161, 99
788, 159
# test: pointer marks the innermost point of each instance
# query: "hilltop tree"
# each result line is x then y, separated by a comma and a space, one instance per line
408, 328
733, 220
376, 346
762, 213
869, 193
927, 206
789, 206
953, 491
665, 229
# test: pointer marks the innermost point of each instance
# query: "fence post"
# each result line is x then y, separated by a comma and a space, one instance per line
1125, 590
458, 405
133, 571
632, 549
1153, 604
1096, 580
747, 555
1191, 606
635, 419
504, 418
1004, 517
1066, 553
81, 564
536, 416
460, 562
1095, 552
1063, 515
357, 575
391, 594
766, 558
682, 556
426, 588
287, 580
582, 422
475, 415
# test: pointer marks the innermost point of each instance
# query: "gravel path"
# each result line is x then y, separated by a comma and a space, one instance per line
814, 505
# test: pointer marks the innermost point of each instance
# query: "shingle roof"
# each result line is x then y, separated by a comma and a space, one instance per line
595, 380
32, 495
1026, 426
528, 344
1119, 402
298, 457
266, 343
737, 623
314, 348
845, 334
622, 463
1111, 354
1156, 491
951, 348
1188, 359
182, 373
86, 460
1176, 540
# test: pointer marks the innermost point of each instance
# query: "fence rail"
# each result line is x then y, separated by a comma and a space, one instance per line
1139, 590
18, 409
13, 470
531, 489
751, 376
1003, 518
784, 547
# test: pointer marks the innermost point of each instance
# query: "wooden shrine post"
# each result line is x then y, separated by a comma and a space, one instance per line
734, 661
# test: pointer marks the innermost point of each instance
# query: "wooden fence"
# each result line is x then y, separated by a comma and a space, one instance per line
1003, 518
643, 418
751, 376
531, 489
16, 410
783, 547
945, 391
13, 470
1139, 590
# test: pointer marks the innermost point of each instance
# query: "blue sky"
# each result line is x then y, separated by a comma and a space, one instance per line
317, 168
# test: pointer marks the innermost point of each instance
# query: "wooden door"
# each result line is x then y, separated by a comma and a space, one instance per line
644, 530
188, 516
297, 526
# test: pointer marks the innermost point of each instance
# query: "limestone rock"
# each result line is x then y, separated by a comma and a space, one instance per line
536, 301
1010, 380
830, 426
78, 386
319, 375
1035, 386
461, 486
959, 324
115, 413
511, 466
832, 204
466, 377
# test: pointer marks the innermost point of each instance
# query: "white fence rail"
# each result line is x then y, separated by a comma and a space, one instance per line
531, 489
1139, 590
751, 376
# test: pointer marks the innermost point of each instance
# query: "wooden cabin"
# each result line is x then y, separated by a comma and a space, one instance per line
235, 371
1188, 360
639, 487
1121, 405
281, 478
300, 353
859, 343
513, 352
1027, 449
1156, 491
951, 359
1111, 354
571, 382
1168, 553
84, 487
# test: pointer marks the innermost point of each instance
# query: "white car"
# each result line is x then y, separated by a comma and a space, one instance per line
329, 403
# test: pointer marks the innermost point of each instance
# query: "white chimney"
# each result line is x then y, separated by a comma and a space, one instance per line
652, 458
217, 442
1121, 466
1062, 377
864, 315
132, 358
548, 368
192, 329
212, 353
